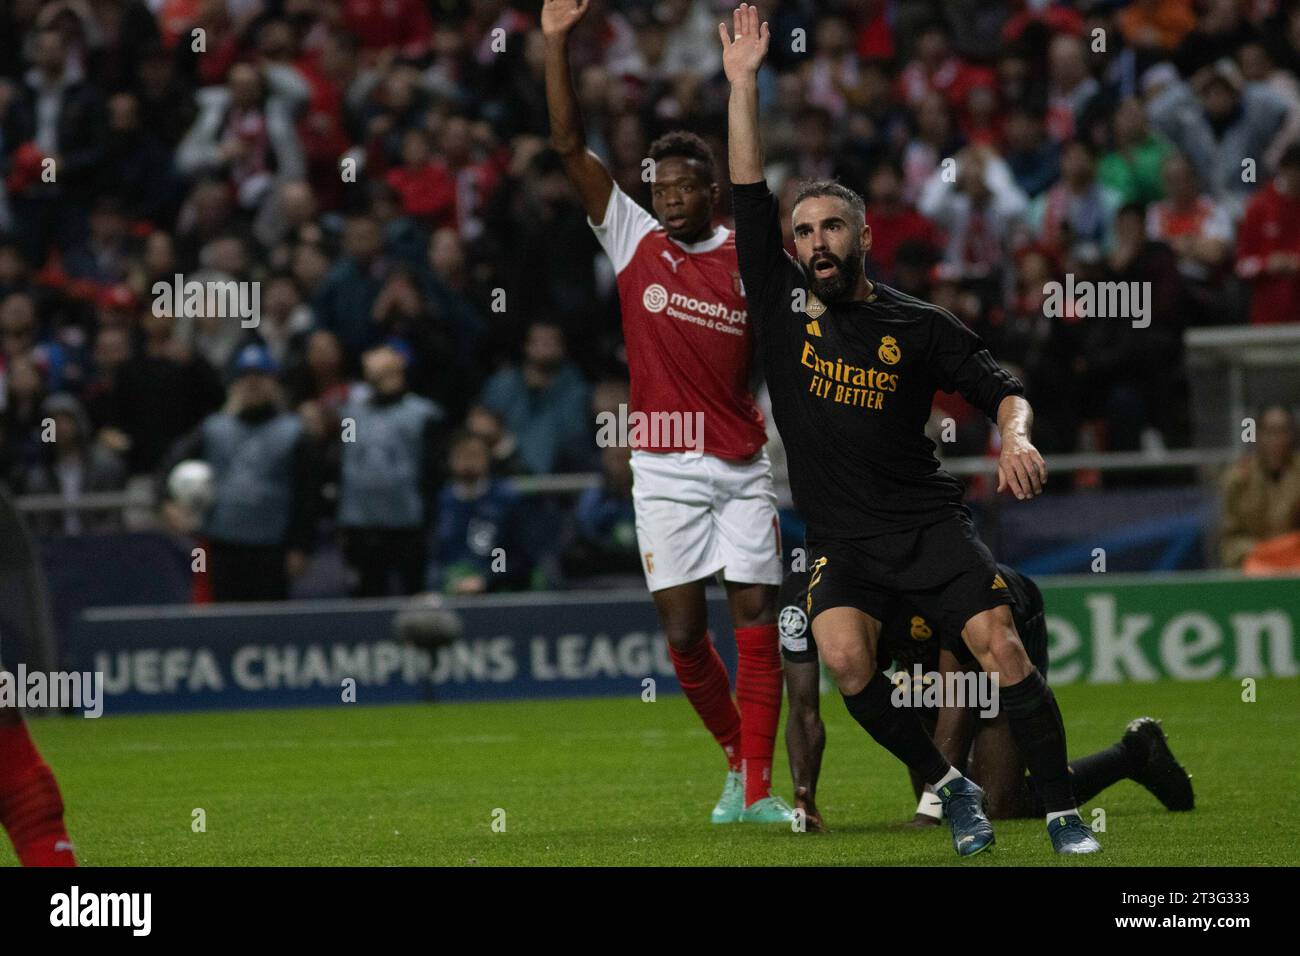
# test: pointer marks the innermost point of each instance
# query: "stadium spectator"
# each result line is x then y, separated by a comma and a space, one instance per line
1078, 208
210, 332
405, 236
1152, 355
57, 116
474, 546
1259, 68
610, 399
817, 156
426, 188
156, 262
265, 483
1035, 160
406, 321
389, 467
936, 138
162, 392
71, 465
345, 300
691, 40
543, 400
288, 215
285, 319
893, 221
1132, 167
1261, 493
486, 424
138, 165
21, 416
1268, 245
936, 69
166, 94
475, 164
21, 335
603, 543
456, 301
1071, 87
982, 213
15, 275
1199, 230
101, 256
245, 131
321, 377
1223, 126
111, 349
207, 213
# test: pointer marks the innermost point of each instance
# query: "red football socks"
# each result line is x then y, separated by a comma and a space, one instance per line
758, 693
31, 809
704, 680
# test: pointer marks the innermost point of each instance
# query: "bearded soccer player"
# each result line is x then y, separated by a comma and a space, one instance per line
704, 501
980, 743
852, 367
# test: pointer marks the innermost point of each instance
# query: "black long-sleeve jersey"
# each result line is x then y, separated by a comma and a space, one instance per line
852, 384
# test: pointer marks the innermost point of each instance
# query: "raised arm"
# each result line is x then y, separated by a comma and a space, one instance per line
588, 175
741, 59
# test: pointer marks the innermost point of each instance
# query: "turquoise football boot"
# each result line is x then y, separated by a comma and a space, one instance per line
770, 809
732, 802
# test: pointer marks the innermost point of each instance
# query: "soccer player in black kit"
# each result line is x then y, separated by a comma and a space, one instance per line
980, 744
852, 367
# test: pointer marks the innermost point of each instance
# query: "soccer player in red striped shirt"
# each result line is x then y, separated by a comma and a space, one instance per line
703, 495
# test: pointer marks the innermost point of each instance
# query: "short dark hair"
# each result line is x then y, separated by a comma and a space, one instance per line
1080, 142
1282, 407
829, 187
1290, 157
687, 145
1134, 208
463, 436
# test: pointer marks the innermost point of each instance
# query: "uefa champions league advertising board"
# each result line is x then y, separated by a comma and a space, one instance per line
1178, 627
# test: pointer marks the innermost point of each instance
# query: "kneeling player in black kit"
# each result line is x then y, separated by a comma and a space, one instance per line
982, 748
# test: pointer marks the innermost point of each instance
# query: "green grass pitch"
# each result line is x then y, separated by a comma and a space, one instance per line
621, 782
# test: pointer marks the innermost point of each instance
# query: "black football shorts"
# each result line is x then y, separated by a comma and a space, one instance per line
943, 569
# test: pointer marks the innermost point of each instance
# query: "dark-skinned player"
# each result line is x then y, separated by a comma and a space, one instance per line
982, 746
702, 492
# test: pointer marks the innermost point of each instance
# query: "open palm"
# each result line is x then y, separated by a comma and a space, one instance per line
559, 16
743, 56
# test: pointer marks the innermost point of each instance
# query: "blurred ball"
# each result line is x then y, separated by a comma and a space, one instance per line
190, 485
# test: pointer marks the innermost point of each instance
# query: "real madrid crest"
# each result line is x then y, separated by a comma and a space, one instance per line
889, 351
920, 630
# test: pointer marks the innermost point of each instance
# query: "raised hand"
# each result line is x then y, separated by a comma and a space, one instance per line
560, 16
742, 56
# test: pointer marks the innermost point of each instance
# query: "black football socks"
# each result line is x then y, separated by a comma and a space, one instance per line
897, 729
1039, 732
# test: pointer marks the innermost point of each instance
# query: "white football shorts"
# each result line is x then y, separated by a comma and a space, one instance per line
697, 514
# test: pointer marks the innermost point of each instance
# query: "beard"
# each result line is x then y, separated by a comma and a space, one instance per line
840, 284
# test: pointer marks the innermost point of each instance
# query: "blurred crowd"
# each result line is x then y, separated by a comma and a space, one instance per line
379, 169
